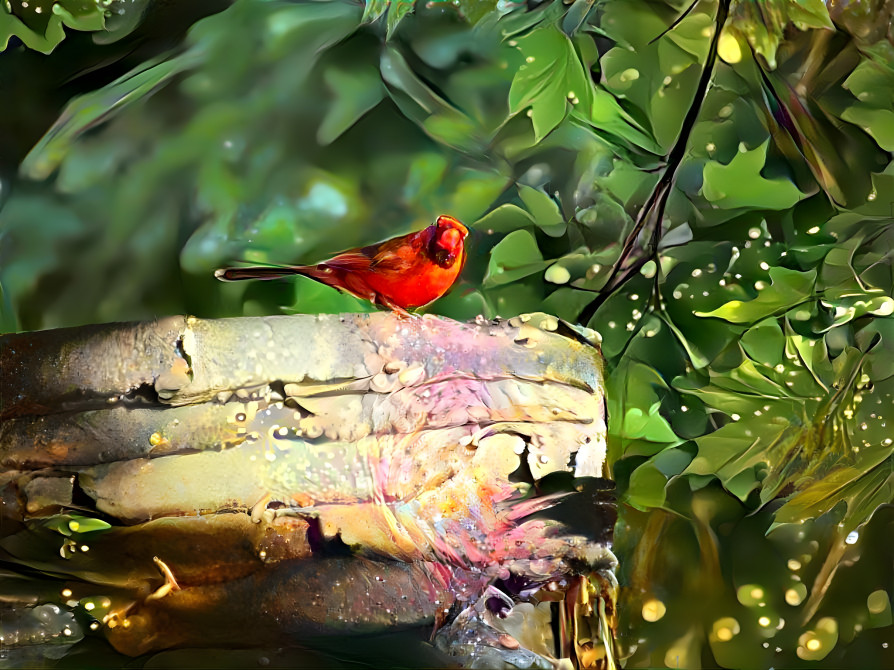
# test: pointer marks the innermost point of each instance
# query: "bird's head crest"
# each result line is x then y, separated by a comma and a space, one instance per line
447, 241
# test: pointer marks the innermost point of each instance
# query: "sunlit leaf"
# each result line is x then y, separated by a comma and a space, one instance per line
550, 80
740, 184
788, 289
504, 219
862, 487
649, 426
514, 257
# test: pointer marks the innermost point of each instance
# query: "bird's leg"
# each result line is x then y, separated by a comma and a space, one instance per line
397, 309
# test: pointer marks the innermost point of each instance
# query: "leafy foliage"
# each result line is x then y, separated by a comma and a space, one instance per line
41, 25
749, 332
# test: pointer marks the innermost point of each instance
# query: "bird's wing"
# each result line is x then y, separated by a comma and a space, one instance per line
400, 255
351, 261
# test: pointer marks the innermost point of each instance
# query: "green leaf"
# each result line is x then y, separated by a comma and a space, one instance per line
763, 22
355, 92
566, 303
608, 116
88, 110
399, 9
649, 425
645, 489
764, 342
739, 454
312, 297
872, 84
514, 257
80, 14
863, 487
393, 10
748, 389
877, 122
374, 9
551, 79
544, 210
474, 11
739, 184
848, 308
473, 191
69, 524
788, 289
427, 109
504, 219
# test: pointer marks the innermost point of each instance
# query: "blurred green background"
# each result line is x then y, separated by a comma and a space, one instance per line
145, 143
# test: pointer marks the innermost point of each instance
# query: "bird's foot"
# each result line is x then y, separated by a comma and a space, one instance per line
397, 309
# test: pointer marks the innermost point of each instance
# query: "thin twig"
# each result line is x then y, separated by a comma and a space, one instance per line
653, 209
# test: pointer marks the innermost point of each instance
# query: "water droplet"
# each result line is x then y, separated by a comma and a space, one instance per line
556, 274
725, 629
795, 595
653, 610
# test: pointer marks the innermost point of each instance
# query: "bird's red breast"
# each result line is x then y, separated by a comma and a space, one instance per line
401, 273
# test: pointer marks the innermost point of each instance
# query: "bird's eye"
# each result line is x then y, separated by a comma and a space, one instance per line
444, 258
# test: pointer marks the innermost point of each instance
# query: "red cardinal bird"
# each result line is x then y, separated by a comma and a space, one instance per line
399, 274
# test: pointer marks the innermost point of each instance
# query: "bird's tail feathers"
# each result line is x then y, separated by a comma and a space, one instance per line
263, 272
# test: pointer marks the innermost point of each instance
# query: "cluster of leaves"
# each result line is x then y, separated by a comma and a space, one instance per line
40, 24
748, 355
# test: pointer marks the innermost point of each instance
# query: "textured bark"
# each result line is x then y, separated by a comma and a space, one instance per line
314, 450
